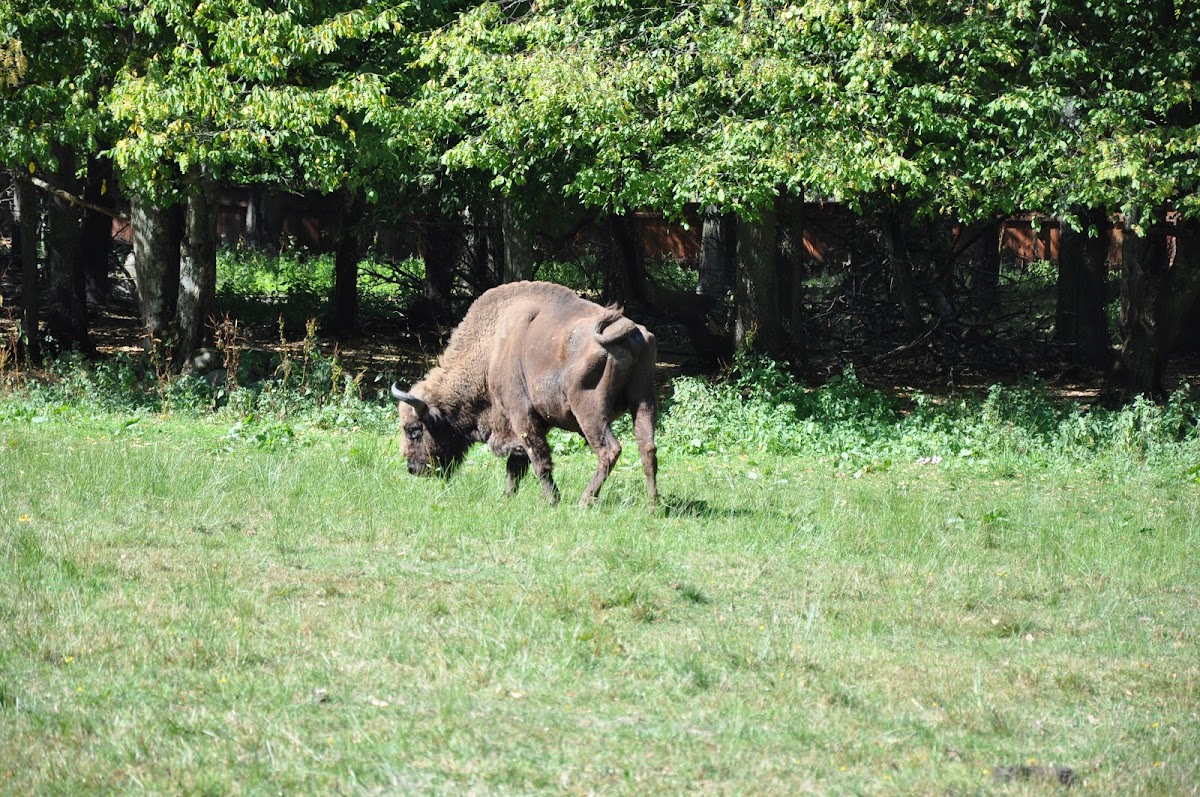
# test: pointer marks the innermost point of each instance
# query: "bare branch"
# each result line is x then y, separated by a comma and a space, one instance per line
67, 196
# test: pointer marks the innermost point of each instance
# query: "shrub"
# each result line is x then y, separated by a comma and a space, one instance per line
760, 407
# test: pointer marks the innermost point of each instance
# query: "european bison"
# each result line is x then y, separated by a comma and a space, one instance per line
529, 356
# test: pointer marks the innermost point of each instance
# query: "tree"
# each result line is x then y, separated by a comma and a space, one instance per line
66, 286
731, 105
914, 114
717, 241
157, 233
96, 242
1125, 80
1080, 319
197, 268
518, 246
1161, 282
346, 253
757, 323
250, 92
24, 244
911, 111
55, 64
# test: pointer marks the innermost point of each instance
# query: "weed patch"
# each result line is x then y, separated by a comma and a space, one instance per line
761, 409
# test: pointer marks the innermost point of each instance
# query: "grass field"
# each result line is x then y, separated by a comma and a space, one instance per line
189, 607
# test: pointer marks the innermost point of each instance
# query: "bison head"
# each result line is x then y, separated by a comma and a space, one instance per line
430, 443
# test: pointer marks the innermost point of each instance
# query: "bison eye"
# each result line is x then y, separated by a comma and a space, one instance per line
414, 432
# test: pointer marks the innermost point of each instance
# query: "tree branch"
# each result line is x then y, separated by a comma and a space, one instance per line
67, 196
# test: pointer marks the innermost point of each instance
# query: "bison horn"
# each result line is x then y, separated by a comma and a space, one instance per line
408, 398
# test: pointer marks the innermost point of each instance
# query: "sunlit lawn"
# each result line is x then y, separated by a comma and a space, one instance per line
184, 614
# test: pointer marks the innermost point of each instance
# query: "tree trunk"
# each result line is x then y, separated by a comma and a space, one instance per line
1080, 320
156, 240
985, 266
626, 274
716, 246
197, 271
24, 246
440, 248
895, 238
264, 219
938, 237
345, 264
792, 260
518, 248
1161, 280
495, 244
477, 251
97, 245
66, 288
756, 287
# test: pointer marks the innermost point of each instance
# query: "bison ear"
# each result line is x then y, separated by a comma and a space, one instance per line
408, 398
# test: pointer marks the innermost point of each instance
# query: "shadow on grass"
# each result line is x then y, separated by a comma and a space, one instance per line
673, 506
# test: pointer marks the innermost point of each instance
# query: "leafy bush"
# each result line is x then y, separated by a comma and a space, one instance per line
123, 383
310, 389
582, 274
296, 286
253, 283
703, 417
255, 273
760, 407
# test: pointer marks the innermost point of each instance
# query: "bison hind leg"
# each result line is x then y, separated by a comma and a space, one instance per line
645, 415
608, 450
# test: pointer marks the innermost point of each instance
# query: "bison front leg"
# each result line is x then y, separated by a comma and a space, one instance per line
539, 455
517, 466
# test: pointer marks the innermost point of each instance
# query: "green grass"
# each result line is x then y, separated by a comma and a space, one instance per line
188, 611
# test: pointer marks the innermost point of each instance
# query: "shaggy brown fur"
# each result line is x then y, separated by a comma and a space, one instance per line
527, 357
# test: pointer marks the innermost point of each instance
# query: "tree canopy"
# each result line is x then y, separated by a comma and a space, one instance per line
290, 94
960, 107
964, 108
1075, 109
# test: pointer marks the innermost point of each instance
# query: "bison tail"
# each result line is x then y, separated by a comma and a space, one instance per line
613, 326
